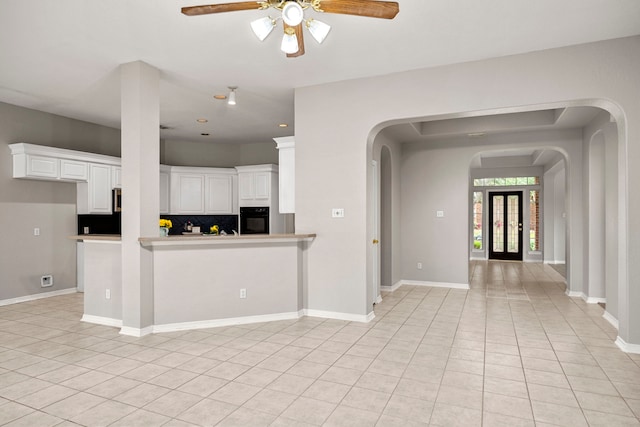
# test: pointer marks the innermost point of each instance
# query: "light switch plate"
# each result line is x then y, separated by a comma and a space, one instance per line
337, 213
440, 214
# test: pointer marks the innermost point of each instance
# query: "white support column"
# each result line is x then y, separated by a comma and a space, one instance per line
140, 116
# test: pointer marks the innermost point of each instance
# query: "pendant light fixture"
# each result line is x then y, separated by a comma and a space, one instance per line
232, 95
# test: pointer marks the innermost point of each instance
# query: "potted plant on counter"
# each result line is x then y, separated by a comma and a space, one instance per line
165, 225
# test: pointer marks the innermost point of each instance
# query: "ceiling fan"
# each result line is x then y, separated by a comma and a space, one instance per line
292, 14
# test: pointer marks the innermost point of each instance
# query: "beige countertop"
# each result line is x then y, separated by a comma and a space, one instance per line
103, 237
200, 239
208, 239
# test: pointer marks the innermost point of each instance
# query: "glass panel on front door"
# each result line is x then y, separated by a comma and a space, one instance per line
506, 230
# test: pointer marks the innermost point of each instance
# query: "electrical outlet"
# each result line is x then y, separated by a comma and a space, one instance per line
46, 281
419, 266
107, 294
243, 293
440, 214
337, 213
36, 231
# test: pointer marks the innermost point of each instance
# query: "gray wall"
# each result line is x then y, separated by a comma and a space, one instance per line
50, 206
210, 154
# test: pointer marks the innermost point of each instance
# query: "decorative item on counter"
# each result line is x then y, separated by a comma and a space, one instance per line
188, 226
165, 225
214, 229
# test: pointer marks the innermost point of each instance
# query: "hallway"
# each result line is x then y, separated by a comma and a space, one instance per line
512, 351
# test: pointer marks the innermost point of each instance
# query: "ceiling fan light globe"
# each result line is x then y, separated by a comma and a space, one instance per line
289, 43
292, 13
318, 29
262, 27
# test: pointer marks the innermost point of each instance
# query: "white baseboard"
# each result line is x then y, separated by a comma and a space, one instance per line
626, 347
593, 300
609, 318
553, 262
435, 284
379, 299
363, 318
105, 321
575, 294
41, 295
203, 324
136, 332
391, 288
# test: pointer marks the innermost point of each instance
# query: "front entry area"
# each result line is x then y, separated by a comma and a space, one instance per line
505, 232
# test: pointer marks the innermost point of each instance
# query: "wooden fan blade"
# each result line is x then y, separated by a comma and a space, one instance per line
219, 8
300, 37
370, 8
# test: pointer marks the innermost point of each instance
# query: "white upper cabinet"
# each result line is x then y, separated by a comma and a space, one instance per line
48, 163
94, 196
116, 177
187, 190
199, 191
257, 184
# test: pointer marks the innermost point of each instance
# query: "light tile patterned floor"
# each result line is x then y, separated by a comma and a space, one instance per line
512, 351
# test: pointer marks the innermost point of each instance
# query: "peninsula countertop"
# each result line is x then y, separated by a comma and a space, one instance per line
201, 239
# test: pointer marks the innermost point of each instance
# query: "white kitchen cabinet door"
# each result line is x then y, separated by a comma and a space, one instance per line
164, 193
262, 185
74, 170
246, 184
94, 196
45, 167
187, 194
219, 194
116, 177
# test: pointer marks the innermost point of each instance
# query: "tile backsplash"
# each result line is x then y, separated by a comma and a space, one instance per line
110, 224
228, 223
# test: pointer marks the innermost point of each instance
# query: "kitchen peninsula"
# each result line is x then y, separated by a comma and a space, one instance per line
202, 281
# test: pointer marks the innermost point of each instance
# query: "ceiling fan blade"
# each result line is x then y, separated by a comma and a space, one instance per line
219, 8
370, 8
300, 37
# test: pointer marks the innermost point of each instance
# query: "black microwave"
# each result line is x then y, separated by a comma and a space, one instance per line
254, 220
117, 200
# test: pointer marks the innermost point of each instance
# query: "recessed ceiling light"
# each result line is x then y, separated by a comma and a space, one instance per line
283, 125
202, 120
220, 96
476, 134
204, 134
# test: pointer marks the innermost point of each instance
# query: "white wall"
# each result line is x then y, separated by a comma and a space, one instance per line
331, 161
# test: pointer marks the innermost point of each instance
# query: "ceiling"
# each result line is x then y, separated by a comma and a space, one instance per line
62, 56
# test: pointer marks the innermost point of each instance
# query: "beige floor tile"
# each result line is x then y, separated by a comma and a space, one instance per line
508, 405
73, 405
103, 414
504, 372
87, 380
378, 382
557, 414
141, 395
270, 401
491, 419
449, 416
308, 410
592, 385
340, 375
227, 370
235, 393
141, 418
600, 419
345, 416
11, 411
202, 385
46, 396
602, 403
417, 389
327, 391
506, 387
462, 380
557, 395
455, 396
303, 368
395, 369
293, 384
207, 412
173, 403
39, 419
247, 417
369, 400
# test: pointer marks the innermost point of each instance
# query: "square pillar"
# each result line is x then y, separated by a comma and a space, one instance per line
140, 146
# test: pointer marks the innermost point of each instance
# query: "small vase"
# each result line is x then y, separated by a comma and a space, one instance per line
164, 231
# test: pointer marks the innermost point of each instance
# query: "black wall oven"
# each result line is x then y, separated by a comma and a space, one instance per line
254, 220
